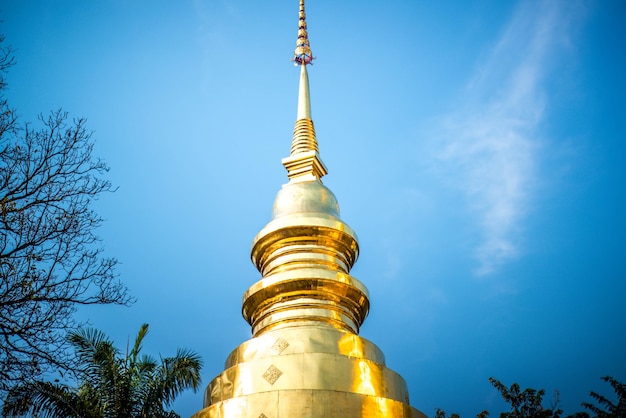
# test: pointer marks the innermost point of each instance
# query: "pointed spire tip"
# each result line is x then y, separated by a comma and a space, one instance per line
302, 55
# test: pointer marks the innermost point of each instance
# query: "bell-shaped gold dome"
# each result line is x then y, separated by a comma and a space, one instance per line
303, 198
305, 255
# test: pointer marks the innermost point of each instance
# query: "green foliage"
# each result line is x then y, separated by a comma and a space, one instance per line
110, 385
439, 413
525, 403
606, 408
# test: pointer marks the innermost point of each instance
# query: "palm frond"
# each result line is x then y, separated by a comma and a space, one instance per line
86, 342
45, 400
94, 351
110, 384
179, 373
143, 331
146, 363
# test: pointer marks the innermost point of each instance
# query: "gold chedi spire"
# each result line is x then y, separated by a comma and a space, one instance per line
305, 358
304, 162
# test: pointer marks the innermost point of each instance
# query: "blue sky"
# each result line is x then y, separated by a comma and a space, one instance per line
476, 147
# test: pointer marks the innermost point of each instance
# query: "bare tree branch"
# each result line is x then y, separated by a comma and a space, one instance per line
50, 259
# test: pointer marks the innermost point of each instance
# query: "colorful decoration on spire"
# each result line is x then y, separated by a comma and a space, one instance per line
302, 55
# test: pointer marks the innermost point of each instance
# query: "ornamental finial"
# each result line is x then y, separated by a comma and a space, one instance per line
304, 163
302, 55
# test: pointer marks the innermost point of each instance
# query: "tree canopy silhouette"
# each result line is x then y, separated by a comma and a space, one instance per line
606, 408
527, 403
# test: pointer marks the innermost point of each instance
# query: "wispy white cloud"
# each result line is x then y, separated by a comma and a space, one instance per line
491, 141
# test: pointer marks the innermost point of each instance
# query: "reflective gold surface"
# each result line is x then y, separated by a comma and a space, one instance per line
307, 371
310, 404
340, 360
304, 162
306, 358
298, 340
305, 254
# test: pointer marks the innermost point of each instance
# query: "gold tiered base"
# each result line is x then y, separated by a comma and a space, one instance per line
306, 372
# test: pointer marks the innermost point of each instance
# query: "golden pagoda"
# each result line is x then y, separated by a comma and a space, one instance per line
305, 358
